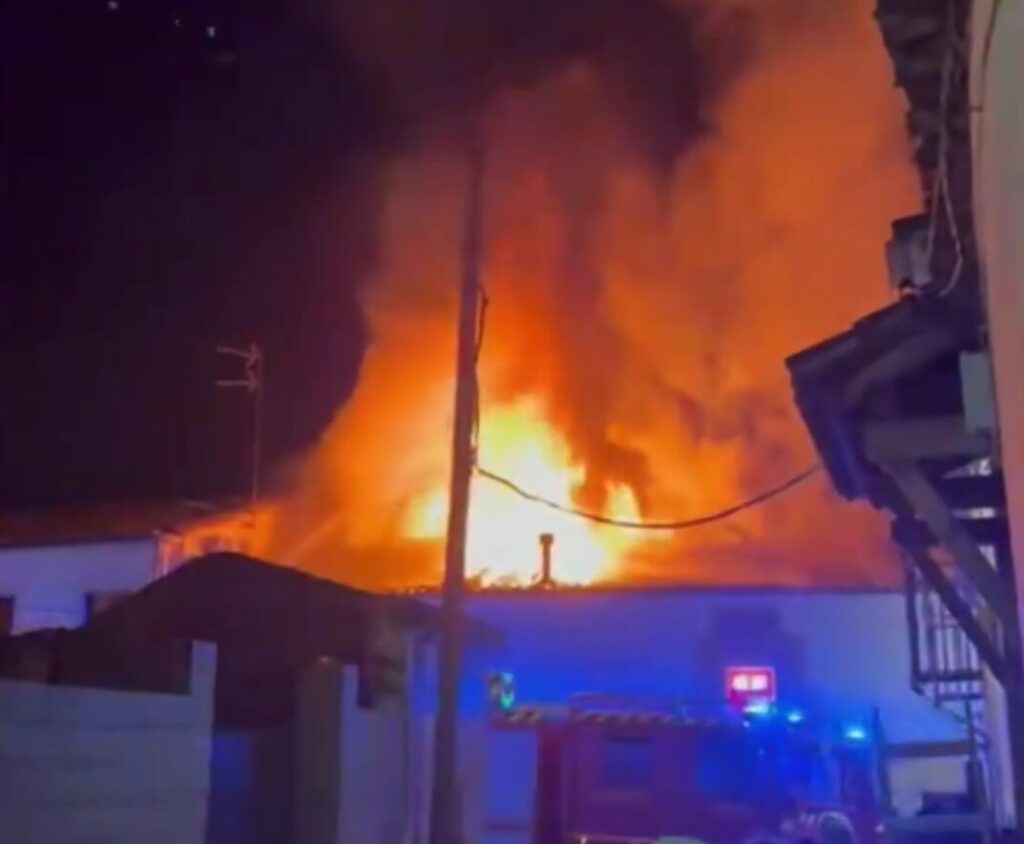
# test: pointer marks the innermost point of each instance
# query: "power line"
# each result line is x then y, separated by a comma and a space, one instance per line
941, 195
629, 524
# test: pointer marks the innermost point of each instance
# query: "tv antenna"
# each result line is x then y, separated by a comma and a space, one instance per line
252, 383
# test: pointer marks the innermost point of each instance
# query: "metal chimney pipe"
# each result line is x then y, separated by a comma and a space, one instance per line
546, 541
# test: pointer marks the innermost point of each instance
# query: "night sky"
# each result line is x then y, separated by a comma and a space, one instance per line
182, 174
163, 193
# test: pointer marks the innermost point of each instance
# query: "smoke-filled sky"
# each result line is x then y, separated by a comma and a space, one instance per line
679, 193
165, 191
653, 252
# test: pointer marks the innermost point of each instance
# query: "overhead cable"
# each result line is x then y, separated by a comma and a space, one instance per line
587, 515
630, 524
941, 195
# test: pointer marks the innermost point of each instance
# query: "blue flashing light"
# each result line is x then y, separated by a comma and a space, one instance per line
758, 709
795, 716
855, 733
507, 697
501, 689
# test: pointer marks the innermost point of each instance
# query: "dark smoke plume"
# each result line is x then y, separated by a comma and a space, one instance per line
679, 194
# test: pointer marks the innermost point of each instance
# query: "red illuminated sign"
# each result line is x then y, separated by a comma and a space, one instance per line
746, 685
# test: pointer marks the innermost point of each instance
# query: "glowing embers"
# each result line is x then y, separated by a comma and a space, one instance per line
517, 442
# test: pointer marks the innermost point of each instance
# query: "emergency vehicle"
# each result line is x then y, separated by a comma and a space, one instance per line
613, 770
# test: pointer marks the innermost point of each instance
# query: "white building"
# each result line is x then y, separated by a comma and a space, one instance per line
840, 654
308, 722
61, 583
997, 140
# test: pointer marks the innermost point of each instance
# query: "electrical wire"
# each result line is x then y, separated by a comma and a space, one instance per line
626, 524
629, 524
941, 196
939, 181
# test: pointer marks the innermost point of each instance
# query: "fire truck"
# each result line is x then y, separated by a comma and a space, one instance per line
612, 770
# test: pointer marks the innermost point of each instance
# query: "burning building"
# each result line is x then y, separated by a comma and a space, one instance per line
678, 195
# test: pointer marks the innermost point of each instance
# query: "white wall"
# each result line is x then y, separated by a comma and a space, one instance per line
370, 768
997, 66
50, 582
853, 649
92, 766
376, 760
849, 653
997, 140
474, 795
362, 774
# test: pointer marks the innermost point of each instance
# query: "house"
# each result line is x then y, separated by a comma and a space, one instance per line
58, 570
317, 726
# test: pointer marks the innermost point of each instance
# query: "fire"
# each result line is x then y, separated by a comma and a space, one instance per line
502, 544
640, 310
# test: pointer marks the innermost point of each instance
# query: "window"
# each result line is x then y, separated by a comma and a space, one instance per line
97, 602
6, 615
627, 762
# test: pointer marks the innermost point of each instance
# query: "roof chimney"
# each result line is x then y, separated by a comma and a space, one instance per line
546, 541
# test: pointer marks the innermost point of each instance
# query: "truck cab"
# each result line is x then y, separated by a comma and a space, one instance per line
632, 775
714, 780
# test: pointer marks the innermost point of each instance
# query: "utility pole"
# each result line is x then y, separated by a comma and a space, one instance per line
446, 810
252, 383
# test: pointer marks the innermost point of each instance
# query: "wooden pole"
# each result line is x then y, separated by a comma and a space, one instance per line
446, 815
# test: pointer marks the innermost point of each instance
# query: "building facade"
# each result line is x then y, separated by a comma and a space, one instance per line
62, 583
836, 656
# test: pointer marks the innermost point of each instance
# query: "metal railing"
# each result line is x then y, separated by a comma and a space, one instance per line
945, 665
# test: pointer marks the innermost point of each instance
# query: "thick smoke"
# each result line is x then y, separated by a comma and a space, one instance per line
678, 196
441, 61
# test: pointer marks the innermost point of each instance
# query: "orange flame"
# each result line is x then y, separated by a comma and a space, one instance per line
632, 362
502, 541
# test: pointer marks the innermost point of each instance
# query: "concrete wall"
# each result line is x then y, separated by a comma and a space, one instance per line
836, 654
997, 66
49, 583
376, 769
318, 752
474, 774
252, 786
363, 775
997, 140
90, 766
356, 769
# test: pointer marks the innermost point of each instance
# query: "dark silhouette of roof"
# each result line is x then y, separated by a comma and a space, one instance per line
238, 601
267, 621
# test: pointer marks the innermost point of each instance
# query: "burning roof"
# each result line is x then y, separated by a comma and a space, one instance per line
640, 304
